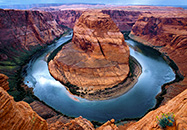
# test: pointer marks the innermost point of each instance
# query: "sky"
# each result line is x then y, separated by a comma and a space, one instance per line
112, 2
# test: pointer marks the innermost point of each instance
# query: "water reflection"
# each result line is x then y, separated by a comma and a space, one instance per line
134, 103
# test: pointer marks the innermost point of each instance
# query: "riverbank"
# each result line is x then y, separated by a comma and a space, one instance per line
45, 86
115, 91
171, 89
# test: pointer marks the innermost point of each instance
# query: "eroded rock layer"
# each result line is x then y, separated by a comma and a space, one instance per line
18, 115
168, 34
177, 105
97, 57
22, 33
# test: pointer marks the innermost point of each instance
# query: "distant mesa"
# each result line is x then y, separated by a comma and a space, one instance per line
96, 59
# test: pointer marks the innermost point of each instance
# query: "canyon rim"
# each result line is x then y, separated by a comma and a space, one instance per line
24, 32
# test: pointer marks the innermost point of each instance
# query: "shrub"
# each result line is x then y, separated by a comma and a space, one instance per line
166, 120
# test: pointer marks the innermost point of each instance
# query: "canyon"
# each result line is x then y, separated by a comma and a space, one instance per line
96, 59
25, 32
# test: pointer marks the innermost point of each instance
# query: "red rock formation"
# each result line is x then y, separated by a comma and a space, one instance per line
22, 33
123, 16
124, 19
109, 125
3, 82
168, 34
67, 17
98, 56
18, 115
75, 124
177, 105
25, 30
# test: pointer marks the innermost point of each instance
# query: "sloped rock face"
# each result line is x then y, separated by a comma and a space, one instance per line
18, 115
22, 33
109, 125
97, 58
4, 82
122, 18
177, 105
168, 34
75, 124
67, 17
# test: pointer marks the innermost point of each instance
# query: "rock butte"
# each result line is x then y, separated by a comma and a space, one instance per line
97, 58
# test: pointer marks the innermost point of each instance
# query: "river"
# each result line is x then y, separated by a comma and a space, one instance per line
133, 104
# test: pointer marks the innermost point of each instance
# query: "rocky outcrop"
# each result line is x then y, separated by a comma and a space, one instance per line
75, 124
4, 82
177, 105
168, 34
22, 33
97, 58
109, 125
18, 115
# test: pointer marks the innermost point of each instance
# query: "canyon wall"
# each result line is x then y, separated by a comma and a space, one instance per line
177, 106
20, 116
168, 34
22, 33
123, 19
123, 16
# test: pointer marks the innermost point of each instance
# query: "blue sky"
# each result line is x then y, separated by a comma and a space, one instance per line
113, 2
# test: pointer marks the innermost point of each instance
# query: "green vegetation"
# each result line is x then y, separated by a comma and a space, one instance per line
126, 34
166, 120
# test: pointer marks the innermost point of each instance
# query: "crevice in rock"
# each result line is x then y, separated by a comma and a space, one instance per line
101, 48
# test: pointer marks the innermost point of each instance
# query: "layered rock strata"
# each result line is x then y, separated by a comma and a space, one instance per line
3, 82
168, 34
177, 105
18, 115
97, 58
22, 33
123, 16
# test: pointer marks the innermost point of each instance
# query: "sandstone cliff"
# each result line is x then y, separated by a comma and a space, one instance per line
20, 116
22, 33
177, 105
123, 16
3, 82
98, 56
168, 34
